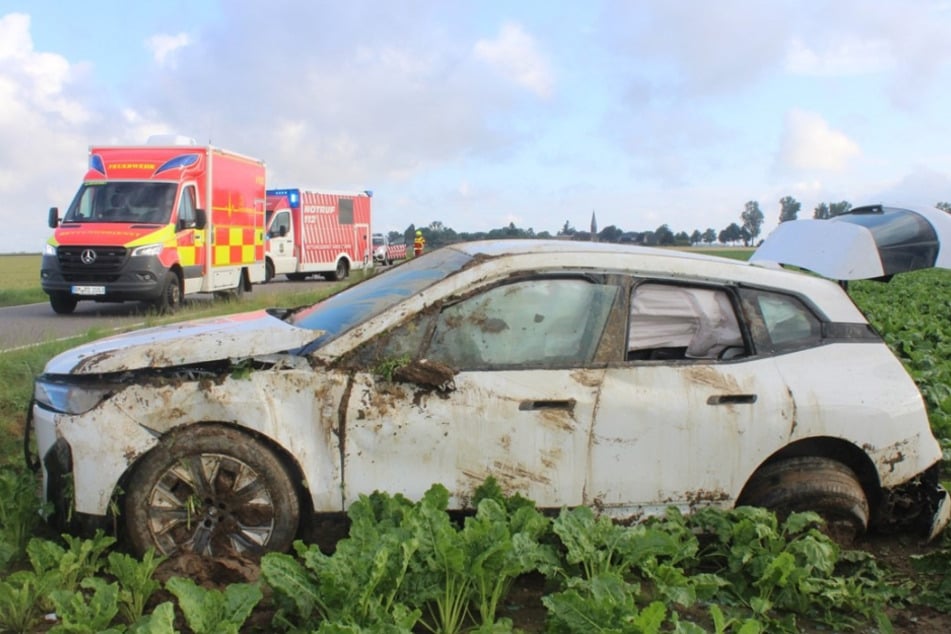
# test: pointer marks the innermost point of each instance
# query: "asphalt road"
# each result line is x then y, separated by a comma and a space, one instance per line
35, 323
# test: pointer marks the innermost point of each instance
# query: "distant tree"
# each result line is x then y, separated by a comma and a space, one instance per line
730, 234
788, 208
944, 206
710, 235
409, 234
745, 236
610, 234
681, 239
839, 208
567, 230
821, 212
696, 237
663, 235
752, 219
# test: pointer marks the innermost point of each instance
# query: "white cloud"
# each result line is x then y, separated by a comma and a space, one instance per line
845, 58
164, 47
515, 54
809, 143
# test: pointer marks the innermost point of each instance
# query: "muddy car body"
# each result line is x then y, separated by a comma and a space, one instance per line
624, 378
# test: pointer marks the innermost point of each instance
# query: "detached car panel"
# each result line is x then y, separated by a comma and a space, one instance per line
624, 378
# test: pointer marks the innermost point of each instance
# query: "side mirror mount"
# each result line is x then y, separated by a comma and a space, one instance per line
53, 218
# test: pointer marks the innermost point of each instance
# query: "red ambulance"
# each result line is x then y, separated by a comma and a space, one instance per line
312, 232
157, 222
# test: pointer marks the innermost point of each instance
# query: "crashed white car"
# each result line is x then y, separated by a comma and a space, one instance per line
627, 379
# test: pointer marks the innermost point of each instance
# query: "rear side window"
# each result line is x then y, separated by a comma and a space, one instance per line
682, 322
781, 322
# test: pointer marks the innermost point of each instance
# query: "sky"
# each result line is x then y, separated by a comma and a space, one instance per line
478, 114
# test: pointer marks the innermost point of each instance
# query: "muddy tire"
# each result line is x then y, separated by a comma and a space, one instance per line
63, 303
211, 490
825, 486
171, 298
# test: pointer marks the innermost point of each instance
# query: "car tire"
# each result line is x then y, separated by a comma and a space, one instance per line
811, 483
268, 271
191, 494
171, 298
63, 303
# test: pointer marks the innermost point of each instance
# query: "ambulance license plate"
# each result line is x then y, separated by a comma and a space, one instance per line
89, 290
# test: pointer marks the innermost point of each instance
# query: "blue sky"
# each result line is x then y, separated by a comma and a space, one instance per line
478, 114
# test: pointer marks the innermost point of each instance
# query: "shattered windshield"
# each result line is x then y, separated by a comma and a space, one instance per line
124, 201
338, 313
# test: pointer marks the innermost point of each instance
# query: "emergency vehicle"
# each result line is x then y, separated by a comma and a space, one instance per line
156, 222
312, 232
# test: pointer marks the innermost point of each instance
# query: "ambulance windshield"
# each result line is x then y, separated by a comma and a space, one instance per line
127, 202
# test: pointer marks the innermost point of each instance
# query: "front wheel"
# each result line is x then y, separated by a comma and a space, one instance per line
211, 490
171, 298
811, 483
63, 303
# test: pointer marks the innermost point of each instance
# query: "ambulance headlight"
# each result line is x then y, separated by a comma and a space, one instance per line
70, 398
49, 249
148, 249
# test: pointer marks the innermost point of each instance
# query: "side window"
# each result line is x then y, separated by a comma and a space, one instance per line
682, 322
186, 207
786, 322
281, 225
540, 322
345, 211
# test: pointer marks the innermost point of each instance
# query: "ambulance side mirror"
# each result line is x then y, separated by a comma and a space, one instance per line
53, 219
201, 219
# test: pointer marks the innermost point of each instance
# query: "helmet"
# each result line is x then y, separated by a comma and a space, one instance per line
418, 232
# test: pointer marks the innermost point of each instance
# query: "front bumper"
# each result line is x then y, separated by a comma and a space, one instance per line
133, 279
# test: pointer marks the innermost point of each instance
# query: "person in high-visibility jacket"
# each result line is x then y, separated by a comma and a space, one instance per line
418, 243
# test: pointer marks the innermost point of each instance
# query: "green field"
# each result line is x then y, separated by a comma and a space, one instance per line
20, 280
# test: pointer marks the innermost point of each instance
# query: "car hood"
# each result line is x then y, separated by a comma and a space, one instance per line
872, 242
199, 341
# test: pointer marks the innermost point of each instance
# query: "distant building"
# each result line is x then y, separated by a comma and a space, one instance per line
594, 228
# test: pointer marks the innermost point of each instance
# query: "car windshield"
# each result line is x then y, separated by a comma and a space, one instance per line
122, 202
378, 241
338, 313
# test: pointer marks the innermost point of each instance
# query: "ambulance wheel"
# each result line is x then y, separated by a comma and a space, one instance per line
171, 298
341, 272
63, 303
268, 271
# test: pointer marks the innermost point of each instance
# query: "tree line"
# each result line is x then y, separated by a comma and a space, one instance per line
746, 231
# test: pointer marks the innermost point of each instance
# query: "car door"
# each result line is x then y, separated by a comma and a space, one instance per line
691, 412
500, 383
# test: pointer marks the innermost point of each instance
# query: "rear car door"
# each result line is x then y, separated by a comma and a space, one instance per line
691, 411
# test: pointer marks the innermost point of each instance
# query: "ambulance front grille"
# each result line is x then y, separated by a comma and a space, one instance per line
91, 264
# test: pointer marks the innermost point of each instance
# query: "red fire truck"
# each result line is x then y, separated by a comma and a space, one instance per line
313, 232
156, 222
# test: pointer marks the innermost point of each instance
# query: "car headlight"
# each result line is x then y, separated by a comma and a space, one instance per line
148, 249
49, 249
70, 398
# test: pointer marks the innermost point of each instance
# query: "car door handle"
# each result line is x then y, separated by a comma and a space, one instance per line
565, 404
728, 399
